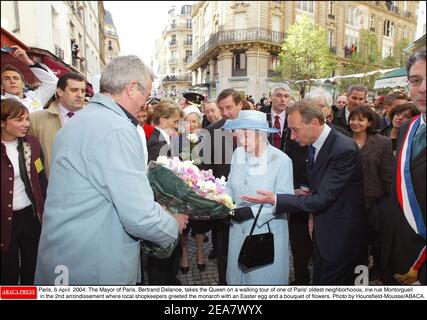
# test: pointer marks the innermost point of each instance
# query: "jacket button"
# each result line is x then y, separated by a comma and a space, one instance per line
10, 192
2, 244
10, 166
10, 178
9, 205
10, 218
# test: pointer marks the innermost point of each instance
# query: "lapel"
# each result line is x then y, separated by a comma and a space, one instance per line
369, 146
323, 154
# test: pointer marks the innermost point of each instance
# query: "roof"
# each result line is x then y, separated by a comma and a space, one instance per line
401, 72
108, 18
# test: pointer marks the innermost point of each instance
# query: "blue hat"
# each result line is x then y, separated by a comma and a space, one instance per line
251, 120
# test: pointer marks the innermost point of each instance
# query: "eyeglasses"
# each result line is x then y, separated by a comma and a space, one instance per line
415, 81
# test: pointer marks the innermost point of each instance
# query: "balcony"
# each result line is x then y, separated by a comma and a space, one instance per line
188, 43
406, 14
273, 74
331, 16
239, 73
173, 61
240, 35
172, 43
177, 26
110, 33
59, 52
186, 77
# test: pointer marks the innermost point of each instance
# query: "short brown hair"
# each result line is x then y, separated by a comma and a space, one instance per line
392, 97
167, 108
308, 109
9, 67
402, 108
229, 92
12, 108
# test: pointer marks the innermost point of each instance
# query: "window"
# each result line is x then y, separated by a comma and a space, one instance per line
372, 21
388, 28
173, 25
275, 23
307, 6
239, 61
352, 17
272, 62
330, 8
189, 40
331, 38
187, 54
189, 23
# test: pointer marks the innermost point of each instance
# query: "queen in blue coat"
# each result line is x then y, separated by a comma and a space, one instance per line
258, 165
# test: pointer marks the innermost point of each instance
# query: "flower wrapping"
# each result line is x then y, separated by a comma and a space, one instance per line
181, 187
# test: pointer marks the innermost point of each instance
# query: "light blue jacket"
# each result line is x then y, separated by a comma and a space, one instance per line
99, 201
272, 172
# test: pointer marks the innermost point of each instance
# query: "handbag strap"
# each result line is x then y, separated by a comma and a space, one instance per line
256, 219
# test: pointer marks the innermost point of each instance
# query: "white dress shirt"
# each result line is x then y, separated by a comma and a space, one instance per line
282, 116
164, 134
64, 114
321, 140
347, 114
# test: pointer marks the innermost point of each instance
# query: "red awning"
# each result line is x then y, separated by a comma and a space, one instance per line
38, 55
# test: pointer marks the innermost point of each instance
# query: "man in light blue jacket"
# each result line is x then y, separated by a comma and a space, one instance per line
99, 201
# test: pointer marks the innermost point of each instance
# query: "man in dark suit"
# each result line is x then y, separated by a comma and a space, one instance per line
356, 96
336, 198
221, 151
276, 115
404, 243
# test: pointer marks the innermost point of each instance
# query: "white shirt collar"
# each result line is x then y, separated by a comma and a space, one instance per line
422, 119
63, 111
165, 135
321, 140
347, 114
282, 116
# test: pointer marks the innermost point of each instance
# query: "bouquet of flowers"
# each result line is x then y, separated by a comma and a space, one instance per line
181, 187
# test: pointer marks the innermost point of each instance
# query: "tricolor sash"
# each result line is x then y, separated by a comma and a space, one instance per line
405, 190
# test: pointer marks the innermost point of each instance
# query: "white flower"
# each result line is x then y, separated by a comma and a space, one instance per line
193, 138
164, 161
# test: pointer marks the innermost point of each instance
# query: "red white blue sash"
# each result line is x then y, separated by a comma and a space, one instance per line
405, 190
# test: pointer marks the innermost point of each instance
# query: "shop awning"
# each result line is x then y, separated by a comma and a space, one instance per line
394, 78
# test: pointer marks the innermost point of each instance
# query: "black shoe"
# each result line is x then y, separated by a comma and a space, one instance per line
184, 270
212, 255
202, 266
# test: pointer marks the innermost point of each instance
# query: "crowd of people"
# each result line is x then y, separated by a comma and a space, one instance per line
340, 182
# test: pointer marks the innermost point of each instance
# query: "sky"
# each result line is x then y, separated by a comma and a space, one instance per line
140, 23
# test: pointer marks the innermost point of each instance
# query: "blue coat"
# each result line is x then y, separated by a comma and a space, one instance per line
273, 172
99, 201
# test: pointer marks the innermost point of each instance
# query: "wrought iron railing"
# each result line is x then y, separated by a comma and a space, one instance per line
240, 35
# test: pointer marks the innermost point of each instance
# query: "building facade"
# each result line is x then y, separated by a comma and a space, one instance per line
111, 41
236, 43
68, 29
172, 51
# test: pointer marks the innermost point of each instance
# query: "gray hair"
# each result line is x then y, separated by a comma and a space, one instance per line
308, 109
122, 70
283, 86
357, 87
210, 101
320, 93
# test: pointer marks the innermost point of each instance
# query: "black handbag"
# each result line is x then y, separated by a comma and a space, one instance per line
257, 250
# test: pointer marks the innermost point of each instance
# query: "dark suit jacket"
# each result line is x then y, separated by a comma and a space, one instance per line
155, 145
221, 149
267, 110
336, 199
401, 245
